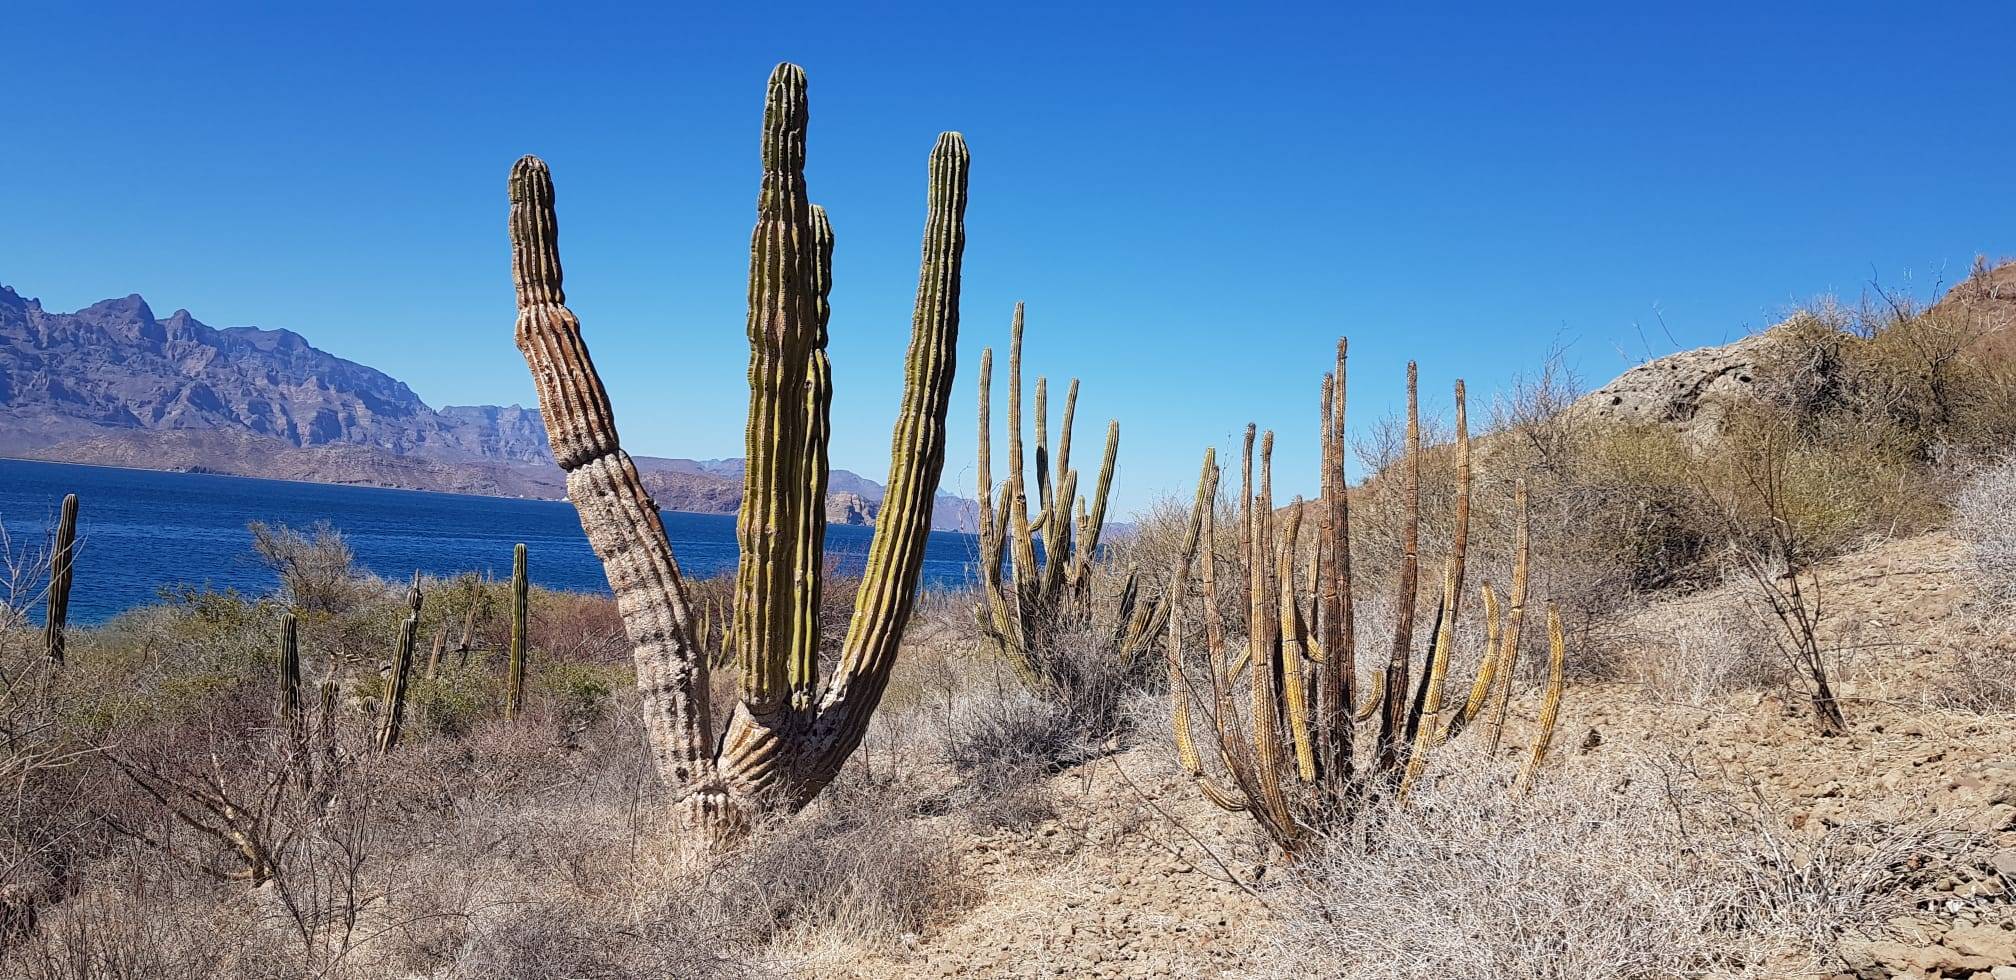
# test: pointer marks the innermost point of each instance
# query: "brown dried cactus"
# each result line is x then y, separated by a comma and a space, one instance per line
1277, 717
782, 743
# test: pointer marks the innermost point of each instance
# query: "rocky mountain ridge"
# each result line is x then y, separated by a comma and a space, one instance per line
114, 384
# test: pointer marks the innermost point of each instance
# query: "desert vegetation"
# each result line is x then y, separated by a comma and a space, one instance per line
1713, 681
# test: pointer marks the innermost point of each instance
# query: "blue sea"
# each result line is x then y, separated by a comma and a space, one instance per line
141, 531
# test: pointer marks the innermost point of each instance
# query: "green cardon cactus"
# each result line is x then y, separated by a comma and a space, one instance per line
786, 736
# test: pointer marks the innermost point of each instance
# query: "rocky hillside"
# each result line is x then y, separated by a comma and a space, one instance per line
113, 384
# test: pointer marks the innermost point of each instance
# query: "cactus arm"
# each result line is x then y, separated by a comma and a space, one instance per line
1095, 516
783, 317
1022, 554
809, 555
1374, 701
1508, 649
618, 515
1294, 634
1398, 673
1428, 729
62, 569
1337, 681
1180, 692
1487, 666
1550, 705
1002, 629
1426, 724
888, 591
1263, 639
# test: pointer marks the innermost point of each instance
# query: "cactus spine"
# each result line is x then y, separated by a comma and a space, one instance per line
784, 739
1019, 616
62, 566
514, 684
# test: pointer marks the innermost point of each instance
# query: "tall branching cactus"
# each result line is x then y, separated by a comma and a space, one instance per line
785, 737
1020, 615
62, 568
1289, 750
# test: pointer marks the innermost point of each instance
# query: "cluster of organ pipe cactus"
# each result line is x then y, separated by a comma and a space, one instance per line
786, 737
61, 571
1292, 749
1019, 614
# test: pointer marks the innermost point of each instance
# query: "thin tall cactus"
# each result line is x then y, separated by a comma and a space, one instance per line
62, 566
395, 685
514, 684
290, 676
1289, 754
1022, 614
782, 743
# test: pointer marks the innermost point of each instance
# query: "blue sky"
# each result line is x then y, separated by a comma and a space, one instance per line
1193, 202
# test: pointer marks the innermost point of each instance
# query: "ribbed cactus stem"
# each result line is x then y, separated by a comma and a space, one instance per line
291, 718
514, 682
895, 566
1294, 643
783, 324
1508, 649
621, 521
1487, 667
1550, 704
1180, 689
62, 569
1430, 729
1393, 722
395, 685
1263, 640
440, 647
810, 556
1337, 681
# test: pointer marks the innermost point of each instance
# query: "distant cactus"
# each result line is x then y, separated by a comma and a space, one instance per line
62, 566
786, 738
395, 685
514, 684
290, 675
1285, 660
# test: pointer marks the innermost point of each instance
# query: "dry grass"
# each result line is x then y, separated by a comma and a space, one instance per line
1631, 872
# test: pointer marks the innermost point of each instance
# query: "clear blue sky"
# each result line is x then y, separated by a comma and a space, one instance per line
1192, 203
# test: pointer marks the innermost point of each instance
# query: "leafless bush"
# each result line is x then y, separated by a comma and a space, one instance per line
1984, 516
318, 574
1634, 872
1468, 880
1696, 654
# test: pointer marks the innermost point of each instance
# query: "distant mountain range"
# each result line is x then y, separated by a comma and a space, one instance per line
112, 384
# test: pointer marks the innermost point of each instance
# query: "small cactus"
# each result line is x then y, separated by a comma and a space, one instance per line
62, 566
514, 684
395, 685
290, 675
